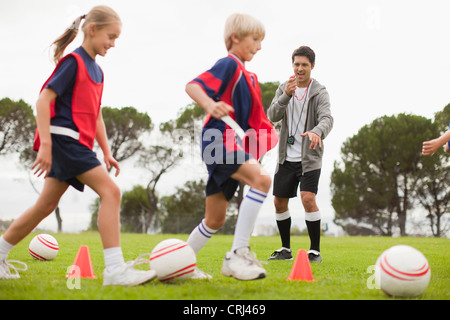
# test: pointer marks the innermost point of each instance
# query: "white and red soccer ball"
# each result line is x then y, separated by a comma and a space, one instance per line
173, 259
402, 271
43, 247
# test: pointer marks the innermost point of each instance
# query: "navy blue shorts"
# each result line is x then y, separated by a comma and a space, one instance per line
70, 158
220, 175
289, 176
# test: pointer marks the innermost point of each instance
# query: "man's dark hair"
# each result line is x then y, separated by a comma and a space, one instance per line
306, 52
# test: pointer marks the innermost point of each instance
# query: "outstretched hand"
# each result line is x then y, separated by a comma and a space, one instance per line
314, 138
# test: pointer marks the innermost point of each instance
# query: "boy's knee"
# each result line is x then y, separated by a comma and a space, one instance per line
215, 223
263, 183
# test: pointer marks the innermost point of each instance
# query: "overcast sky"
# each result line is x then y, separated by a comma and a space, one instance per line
375, 58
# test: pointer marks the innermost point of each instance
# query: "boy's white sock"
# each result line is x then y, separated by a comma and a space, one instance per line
200, 236
248, 212
113, 258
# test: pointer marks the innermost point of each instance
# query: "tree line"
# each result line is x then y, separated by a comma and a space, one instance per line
383, 176
379, 181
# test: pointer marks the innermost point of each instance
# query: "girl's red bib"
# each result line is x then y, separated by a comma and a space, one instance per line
86, 100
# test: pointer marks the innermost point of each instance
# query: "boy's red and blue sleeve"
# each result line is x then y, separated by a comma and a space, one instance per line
216, 80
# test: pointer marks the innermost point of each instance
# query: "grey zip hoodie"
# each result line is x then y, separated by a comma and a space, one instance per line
318, 120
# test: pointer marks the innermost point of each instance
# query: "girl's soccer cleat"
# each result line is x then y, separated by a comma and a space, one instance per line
7, 265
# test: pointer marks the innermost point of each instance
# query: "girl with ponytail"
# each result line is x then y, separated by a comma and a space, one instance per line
69, 119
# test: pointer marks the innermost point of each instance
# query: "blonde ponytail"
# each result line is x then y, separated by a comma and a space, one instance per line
100, 16
66, 38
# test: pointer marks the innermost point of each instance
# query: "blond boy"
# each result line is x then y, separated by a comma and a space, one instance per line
228, 89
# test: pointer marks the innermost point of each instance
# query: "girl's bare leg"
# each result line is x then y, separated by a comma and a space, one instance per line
47, 202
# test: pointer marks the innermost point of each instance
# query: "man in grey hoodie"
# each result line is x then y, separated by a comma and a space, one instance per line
302, 105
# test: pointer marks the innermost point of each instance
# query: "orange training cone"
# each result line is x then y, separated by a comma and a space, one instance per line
82, 266
301, 270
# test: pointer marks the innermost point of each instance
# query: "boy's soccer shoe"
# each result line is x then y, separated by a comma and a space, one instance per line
200, 275
242, 265
127, 275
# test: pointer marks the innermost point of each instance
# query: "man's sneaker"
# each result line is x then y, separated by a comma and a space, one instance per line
200, 275
127, 275
242, 265
6, 266
314, 256
281, 254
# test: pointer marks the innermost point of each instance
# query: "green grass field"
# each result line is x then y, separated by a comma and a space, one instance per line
342, 275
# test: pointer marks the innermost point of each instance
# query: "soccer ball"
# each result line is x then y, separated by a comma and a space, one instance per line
402, 271
173, 259
43, 247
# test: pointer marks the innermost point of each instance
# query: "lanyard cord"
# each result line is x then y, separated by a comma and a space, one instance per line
305, 96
